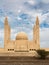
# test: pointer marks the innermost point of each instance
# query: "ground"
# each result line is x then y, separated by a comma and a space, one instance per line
10, 60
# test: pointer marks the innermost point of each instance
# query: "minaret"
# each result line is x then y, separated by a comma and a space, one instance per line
6, 32
36, 33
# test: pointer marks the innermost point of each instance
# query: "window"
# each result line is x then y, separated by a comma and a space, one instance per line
10, 49
32, 49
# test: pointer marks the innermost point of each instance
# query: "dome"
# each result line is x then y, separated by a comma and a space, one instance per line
21, 36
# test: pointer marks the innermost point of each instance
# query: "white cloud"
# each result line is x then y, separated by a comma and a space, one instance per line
45, 1
44, 37
31, 2
19, 11
1, 33
1, 37
19, 18
2, 19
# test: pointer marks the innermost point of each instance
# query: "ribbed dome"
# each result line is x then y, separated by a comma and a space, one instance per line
21, 36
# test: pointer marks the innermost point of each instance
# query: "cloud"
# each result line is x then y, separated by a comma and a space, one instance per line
1, 37
45, 1
44, 37
32, 2
39, 5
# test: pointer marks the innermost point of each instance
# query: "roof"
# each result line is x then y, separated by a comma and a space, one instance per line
21, 36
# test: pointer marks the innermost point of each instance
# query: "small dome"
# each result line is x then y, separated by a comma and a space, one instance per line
21, 36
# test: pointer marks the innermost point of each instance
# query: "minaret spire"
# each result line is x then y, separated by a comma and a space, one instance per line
6, 20
37, 21
6, 32
36, 33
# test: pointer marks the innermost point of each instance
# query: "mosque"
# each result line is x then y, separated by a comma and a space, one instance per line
21, 45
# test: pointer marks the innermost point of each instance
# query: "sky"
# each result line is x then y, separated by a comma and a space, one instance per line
22, 16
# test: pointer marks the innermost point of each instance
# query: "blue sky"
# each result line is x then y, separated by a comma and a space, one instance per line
21, 17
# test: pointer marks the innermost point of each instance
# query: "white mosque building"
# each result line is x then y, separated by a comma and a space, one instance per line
21, 45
